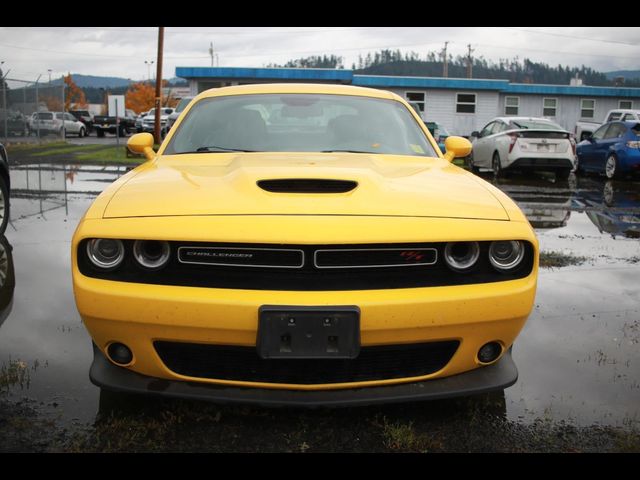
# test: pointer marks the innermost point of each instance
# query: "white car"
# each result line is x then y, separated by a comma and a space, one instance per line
148, 122
67, 123
523, 143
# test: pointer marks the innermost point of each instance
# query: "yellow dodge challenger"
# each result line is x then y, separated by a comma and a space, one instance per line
299, 244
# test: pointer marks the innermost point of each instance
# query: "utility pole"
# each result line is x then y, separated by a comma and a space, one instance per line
156, 130
213, 55
470, 62
3, 78
211, 52
445, 61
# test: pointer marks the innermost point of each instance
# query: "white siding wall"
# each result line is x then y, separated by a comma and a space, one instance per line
440, 106
568, 108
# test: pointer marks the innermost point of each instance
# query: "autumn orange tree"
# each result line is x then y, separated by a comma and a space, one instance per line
74, 95
140, 97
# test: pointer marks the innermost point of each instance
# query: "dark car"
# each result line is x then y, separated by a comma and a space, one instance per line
5, 188
613, 149
85, 117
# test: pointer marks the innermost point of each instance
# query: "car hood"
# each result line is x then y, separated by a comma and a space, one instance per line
227, 184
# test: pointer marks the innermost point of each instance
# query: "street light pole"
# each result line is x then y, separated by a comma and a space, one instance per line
148, 63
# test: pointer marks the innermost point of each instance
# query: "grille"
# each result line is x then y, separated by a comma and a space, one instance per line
244, 364
278, 267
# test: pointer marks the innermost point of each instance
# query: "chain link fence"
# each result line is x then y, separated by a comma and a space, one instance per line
33, 112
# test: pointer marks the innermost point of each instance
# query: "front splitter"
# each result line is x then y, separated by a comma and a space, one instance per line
498, 376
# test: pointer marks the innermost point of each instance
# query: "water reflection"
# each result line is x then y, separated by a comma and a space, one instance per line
7, 279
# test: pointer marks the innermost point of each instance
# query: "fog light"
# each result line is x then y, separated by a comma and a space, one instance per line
119, 353
105, 253
461, 256
506, 255
489, 352
152, 254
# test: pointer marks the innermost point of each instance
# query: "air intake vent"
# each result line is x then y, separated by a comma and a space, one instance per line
307, 185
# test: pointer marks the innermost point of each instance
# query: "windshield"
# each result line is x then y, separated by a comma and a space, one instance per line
536, 125
300, 123
183, 104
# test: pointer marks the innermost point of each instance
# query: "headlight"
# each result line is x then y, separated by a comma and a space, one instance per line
461, 256
105, 253
152, 254
506, 255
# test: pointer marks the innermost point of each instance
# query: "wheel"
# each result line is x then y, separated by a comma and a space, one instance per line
563, 173
100, 132
472, 165
4, 205
81, 133
497, 165
611, 168
608, 194
121, 131
579, 169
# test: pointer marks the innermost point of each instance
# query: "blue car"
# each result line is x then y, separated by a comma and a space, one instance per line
613, 149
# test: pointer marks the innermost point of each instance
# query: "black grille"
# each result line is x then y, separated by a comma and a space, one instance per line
244, 364
308, 277
307, 185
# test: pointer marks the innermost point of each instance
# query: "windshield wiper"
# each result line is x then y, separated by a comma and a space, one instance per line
344, 150
216, 148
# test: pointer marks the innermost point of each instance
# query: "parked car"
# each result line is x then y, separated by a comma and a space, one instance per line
303, 244
439, 132
42, 122
68, 124
512, 143
584, 129
85, 117
139, 118
5, 189
107, 124
182, 104
613, 149
148, 122
16, 123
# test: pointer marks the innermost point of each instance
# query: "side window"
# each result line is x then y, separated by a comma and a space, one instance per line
599, 133
59, 116
616, 130
613, 116
629, 117
69, 117
486, 131
498, 127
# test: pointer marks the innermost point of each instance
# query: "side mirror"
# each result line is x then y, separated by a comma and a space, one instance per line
475, 134
142, 144
456, 147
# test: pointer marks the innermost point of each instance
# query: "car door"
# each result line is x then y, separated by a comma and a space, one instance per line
71, 124
603, 146
481, 146
587, 150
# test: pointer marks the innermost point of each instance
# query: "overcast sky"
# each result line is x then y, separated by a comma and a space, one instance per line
122, 51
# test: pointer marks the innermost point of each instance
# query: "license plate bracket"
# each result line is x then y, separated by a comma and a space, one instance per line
294, 332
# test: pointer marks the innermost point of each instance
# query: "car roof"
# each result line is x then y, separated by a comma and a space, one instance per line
511, 119
328, 89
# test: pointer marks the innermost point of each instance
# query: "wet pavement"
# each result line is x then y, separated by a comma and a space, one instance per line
577, 355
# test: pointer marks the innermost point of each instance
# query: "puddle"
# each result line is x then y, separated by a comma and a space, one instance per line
577, 355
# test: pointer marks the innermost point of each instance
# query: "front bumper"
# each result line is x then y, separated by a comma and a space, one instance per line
498, 376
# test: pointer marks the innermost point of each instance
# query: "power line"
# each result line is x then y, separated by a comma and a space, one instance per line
541, 32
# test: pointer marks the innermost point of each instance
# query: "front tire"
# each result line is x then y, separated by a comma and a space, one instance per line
611, 167
100, 133
81, 133
4, 205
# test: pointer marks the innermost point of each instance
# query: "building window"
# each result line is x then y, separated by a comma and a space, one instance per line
587, 108
511, 105
417, 98
549, 107
466, 103
625, 104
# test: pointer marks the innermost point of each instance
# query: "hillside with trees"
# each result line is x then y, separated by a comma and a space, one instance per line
394, 62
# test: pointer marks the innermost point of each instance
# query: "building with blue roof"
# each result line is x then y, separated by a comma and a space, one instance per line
462, 105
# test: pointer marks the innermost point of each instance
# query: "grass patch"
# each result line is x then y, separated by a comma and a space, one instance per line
111, 154
15, 372
558, 259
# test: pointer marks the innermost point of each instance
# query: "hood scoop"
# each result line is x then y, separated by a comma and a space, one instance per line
307, 185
